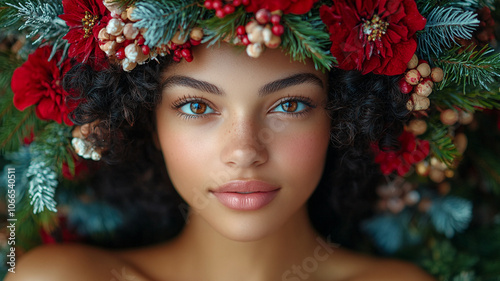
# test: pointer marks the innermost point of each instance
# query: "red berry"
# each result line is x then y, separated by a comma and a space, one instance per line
127, 42
176, 58
173, 46
404, 86
275, 19
278, 29
141, 40
240, 30
194, 42
177, 53
209, 4
145, 49
245, 2
236, 3
186, 53
220, 14
120, 54
228, 9
217, 5
189, 59
263, 16
245, 40
186, 45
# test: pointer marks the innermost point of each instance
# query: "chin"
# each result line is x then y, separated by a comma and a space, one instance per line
245, 226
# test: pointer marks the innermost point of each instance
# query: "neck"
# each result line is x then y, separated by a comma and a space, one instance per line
216, 257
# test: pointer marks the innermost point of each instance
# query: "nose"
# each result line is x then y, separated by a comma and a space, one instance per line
242, 147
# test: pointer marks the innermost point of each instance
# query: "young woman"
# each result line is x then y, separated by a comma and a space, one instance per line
245, 142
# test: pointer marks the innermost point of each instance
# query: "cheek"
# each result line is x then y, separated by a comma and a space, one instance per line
303, 155
186, 155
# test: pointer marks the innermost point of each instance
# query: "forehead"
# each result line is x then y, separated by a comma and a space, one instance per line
227, 63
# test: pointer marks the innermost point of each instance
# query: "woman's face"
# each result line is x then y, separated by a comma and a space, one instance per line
244, 139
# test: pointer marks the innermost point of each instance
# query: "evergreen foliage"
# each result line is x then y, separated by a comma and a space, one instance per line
470, 67
163, 18
217, 29
444, 25
307, 39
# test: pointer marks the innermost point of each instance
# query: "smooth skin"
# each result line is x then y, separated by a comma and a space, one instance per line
226, 117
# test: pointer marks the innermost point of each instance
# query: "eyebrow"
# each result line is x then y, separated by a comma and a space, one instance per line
296, 79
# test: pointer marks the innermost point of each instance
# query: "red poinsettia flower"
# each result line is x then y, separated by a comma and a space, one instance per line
85, 19
38, 81
373, 35
412, 151
287, 7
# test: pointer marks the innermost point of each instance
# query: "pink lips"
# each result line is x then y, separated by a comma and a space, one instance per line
246, 195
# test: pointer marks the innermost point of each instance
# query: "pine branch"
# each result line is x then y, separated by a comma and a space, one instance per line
40, 19
163, 18
444, 25
217, 29
470, 67
8, 63
426, 6
307, 39
16, 125
472, 101
472, 5
441, 144
53, 144
42, 186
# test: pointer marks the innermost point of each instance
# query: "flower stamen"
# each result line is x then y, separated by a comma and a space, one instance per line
375, 28
88, 23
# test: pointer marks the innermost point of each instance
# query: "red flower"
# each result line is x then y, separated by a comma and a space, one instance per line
288, 7
412, 151
38, 81
85, 19
373, 35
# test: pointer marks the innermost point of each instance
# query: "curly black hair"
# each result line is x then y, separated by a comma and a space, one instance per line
364, 109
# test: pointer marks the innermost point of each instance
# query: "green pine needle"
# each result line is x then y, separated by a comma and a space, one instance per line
307, 39
217, 29
470, 67
441, 143
16, 125
163, 18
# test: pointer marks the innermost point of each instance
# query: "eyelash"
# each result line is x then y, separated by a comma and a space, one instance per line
176, 105
305, 100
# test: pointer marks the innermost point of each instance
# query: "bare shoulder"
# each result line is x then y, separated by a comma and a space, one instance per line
72, 262
352, 266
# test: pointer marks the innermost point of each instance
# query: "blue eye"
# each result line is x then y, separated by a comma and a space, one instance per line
291, 106
196, 108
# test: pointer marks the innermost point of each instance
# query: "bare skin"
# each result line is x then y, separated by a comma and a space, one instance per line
218, 243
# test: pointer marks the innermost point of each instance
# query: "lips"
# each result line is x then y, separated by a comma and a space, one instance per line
246, 195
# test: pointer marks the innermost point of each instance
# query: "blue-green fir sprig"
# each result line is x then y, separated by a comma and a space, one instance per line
444, 25
50, 150
40, 19
450, 214
389, 231
164, 18
42, 186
